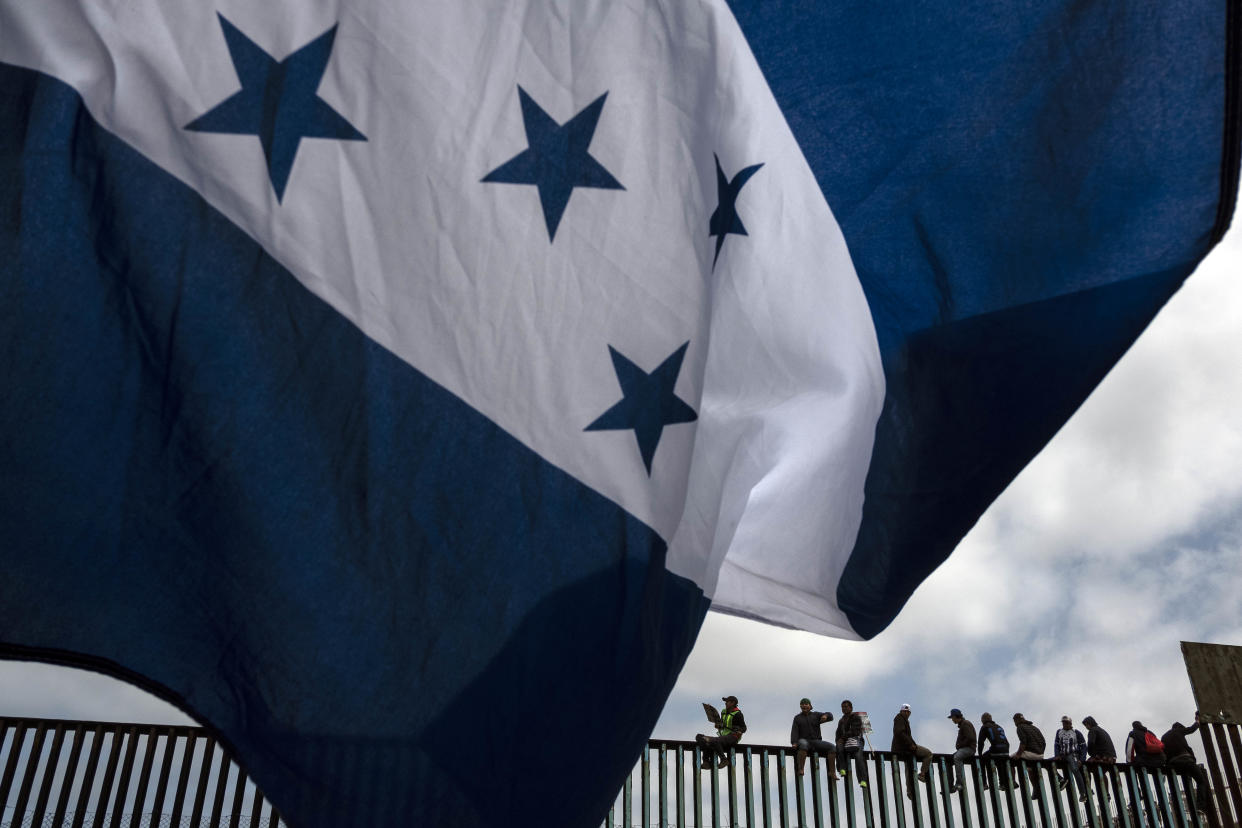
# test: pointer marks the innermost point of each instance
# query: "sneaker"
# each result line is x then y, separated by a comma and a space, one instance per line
862, 783
1061, 785
954, 788
723, 763
841, 773
922, 777
1082, 798
705, 766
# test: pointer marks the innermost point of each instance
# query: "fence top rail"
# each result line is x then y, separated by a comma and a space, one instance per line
138, 728
656, 744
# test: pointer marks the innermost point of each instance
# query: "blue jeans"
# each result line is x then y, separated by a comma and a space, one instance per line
959, 756
854, 753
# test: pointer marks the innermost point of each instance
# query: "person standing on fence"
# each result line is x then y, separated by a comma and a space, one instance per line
850, 742
1069, 746
805, 736
905, 747
1143, 748
1031, 747
1100, 750
1182, 760
728, 733
994, 744
963, 749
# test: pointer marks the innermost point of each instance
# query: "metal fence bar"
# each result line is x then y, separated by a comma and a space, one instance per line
1218, 797
10, 767
256, 810
817, 794
183, 779
749, 782
127, 767
698, 788
1235, 788
105, 787
1054, 793
781, 791
627, 801
45, 790
715, 789
662, 769
765, 788
646, 787
681, 786
32, 765
88, 781
217, 802
881, 789
899, 807
946, 794
1182, 820
75, 753
731, 778
799, 800
239, 790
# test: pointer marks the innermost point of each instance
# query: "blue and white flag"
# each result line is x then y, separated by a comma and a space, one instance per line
394, 386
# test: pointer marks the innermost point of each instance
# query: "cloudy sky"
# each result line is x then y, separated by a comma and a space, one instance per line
1071, 595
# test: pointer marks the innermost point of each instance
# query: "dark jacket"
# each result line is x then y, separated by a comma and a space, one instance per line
1030, 738
806, 726
1136, 749
965, 735
1175, 740
994, 733
1100, 744
903, 741
848, 727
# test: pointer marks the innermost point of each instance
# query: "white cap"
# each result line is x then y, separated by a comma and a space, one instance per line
905, 707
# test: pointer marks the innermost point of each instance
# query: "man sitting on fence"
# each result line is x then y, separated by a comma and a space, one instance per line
1070, 747
905, 747
1031, 747
728, 733
1181, 759
850, 742
805, 736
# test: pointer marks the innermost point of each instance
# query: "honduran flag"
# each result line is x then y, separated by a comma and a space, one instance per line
394, 385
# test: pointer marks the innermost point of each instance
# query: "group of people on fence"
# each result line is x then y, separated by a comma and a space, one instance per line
1070, 747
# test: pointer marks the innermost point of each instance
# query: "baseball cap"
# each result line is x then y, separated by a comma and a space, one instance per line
905, 707
730, 699
953, 712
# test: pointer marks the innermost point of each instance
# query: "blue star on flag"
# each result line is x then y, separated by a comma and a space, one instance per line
277, 101
556, 158
647, 403
725, 219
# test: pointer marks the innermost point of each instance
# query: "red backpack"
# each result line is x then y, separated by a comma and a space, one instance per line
1153, 744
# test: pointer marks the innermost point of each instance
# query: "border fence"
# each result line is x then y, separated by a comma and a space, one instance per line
74, 774
107, 775
759, 789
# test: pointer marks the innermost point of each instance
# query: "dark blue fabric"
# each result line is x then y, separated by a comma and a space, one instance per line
214, 485
1021, 186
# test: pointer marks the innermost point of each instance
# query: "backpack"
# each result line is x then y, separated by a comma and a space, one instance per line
1152, 744
997, 734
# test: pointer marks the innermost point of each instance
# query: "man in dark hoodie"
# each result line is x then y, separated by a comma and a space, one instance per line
1141, 751
906, 748
1182, 759
805, 736
1031, 747
994, 744
1100, 750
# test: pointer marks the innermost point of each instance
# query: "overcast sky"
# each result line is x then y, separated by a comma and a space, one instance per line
1070, 596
